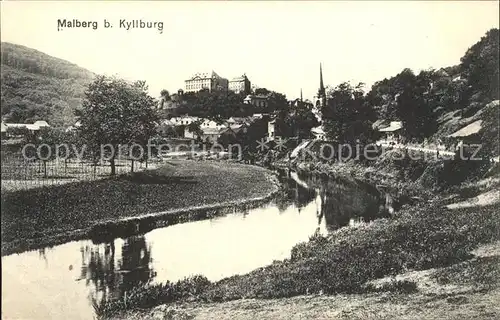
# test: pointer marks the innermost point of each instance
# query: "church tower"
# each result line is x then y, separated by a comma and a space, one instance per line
321, 98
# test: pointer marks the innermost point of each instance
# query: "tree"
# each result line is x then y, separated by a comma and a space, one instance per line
300, 120
346, 116
164, 97
117, 113
195, 128
480, 66
412, 105
262, 91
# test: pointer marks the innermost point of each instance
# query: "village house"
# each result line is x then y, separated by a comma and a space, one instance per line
257, 100
240, 120
271, 129
211, 135
207, 123
240, 84
183, 120
74, 126
166, 128
9, 128
4, 131
392, 133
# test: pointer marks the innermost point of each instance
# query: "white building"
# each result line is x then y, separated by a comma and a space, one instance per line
271, 129
206, 80
392, 132
183, 120
31, 127
240, 84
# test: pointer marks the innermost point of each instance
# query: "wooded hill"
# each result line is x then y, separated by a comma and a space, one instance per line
36, 86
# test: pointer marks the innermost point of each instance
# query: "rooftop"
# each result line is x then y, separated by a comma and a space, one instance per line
35, 126
471, 129
240, 78
204, 75
394, 126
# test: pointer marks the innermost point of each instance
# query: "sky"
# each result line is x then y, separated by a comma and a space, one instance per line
279, 45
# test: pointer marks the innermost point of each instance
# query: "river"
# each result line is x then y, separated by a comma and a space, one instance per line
60, 282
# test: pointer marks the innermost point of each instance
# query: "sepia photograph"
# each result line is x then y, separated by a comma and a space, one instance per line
250, 160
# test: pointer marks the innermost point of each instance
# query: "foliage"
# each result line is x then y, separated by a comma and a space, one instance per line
480, 66
117, 113
418, 100
147, 296
489, 134
216, 105
36, 86
399, 286
298, 121
195, 127
346, 116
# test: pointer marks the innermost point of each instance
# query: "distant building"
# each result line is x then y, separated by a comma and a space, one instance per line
254, 87
320, 97
240, 85
318, 133
74, 127
210, 134
207, 123
172, 102
209, 80
33, 128
206, 134
183, 120
271, 129
166, 128
257, 100
4, 130
392, 132
238, 120
319, 101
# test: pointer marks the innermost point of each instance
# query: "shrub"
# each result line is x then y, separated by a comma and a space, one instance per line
148, 296
398, 286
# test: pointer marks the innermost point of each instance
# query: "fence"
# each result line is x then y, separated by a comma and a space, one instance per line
20, 173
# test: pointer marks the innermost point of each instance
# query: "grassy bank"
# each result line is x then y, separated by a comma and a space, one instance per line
71, 210
419, 238
425, 235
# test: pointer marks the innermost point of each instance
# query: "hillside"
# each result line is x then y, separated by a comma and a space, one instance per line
435, 104
36, 86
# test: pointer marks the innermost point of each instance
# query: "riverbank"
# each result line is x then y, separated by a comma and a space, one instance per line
467, 291
431, 233
128, 203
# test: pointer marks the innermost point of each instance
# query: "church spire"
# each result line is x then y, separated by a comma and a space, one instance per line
321, 86
301, 95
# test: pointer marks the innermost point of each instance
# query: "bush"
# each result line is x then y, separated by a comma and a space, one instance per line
148, 296
398, 286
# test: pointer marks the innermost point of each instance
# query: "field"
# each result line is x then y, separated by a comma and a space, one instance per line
36, 214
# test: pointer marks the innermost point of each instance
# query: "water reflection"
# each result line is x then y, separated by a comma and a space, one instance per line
339, 203
111, 275
237, 243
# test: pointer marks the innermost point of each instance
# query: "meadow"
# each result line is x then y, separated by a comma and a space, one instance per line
36, 214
